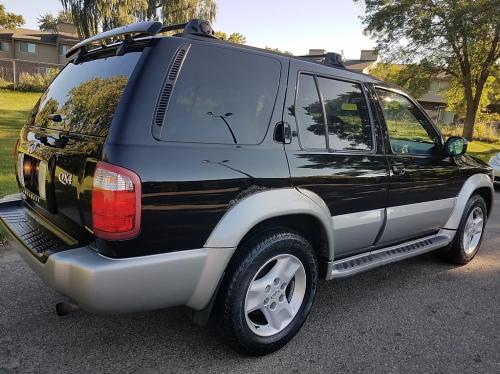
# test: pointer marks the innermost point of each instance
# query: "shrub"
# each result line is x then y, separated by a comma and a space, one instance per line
36, 82
4, 83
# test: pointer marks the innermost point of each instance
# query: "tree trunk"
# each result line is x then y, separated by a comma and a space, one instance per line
470, 111
470, 119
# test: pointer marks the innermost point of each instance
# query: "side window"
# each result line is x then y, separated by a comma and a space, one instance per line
347, 116
222, 96
409, 131
309, 114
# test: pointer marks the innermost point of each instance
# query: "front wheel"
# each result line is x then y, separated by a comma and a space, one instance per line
268, 291
470, 232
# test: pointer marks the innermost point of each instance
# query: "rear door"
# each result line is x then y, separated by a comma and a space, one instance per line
423, 182
335, 155
64, 136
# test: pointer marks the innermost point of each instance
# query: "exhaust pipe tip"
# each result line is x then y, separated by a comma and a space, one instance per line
65, 308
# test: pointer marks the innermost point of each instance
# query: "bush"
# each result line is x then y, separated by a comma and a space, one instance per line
6, 84
483, 131
36, 82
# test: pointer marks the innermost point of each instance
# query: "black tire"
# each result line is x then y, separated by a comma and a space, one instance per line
250, 257
455, 253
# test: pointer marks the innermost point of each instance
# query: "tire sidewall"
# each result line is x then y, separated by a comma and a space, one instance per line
292, 244
475, 201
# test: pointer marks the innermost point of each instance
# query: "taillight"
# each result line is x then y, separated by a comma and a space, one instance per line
116, 202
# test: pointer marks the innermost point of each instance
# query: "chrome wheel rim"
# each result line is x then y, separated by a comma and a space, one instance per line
473, 230
275, 295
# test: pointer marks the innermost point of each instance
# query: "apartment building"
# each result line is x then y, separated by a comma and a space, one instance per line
34, 51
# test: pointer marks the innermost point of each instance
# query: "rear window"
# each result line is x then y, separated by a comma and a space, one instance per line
222, 96
86, 95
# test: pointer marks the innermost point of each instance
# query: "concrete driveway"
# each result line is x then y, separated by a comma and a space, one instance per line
416, 316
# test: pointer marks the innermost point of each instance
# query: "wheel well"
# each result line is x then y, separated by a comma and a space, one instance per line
306, 225
485, 193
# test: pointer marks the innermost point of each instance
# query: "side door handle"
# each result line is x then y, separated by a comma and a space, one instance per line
398, 168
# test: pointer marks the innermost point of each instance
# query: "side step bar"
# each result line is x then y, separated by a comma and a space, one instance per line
359, 263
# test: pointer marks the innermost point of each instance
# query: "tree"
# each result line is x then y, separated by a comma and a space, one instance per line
47, 21
10, 20
460, 37
235, 37
454, 95
414, 78
93, 16
279, 51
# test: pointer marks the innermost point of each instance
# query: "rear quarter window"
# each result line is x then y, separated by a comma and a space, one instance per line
223, 96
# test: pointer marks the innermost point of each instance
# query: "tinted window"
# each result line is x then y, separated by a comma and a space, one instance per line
347, 116
309, 114
222, 96
409, 131
86, 95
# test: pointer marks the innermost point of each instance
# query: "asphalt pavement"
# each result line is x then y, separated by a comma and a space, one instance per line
421, 315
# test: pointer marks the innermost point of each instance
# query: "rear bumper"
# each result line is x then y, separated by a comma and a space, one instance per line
105, 285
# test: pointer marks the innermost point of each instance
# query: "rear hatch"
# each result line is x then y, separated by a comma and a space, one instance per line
63, 139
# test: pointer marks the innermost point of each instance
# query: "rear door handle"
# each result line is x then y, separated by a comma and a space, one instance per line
398, 168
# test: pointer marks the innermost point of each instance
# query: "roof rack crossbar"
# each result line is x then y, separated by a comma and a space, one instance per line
179, 26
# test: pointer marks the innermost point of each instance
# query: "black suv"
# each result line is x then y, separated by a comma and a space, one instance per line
159, 171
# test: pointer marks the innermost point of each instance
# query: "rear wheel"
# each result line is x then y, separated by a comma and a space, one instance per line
469, 233
268, 291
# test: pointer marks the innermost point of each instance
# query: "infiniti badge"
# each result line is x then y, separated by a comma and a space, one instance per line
32, 147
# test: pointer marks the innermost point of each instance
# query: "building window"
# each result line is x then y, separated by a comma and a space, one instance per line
63, 49
4, 47
42, 70
27, 47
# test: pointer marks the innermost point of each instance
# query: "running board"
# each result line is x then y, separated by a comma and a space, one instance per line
359, 263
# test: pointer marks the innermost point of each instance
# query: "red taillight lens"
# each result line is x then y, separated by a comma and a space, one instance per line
116, 202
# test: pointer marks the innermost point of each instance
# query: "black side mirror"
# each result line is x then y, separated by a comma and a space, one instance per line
455, 146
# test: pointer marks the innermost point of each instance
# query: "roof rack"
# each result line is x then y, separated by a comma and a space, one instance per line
330, 59
143, 29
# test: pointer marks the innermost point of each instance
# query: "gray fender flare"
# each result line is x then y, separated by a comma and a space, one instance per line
240, 219
471, 184
250, 211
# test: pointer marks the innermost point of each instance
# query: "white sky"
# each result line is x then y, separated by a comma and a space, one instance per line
291, 25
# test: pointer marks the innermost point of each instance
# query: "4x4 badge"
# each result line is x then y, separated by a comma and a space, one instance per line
65, 178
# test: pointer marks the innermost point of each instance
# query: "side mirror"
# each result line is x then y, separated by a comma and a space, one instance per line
455, 146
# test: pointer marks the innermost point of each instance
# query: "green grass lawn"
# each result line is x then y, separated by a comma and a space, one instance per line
483, 150
15, 108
